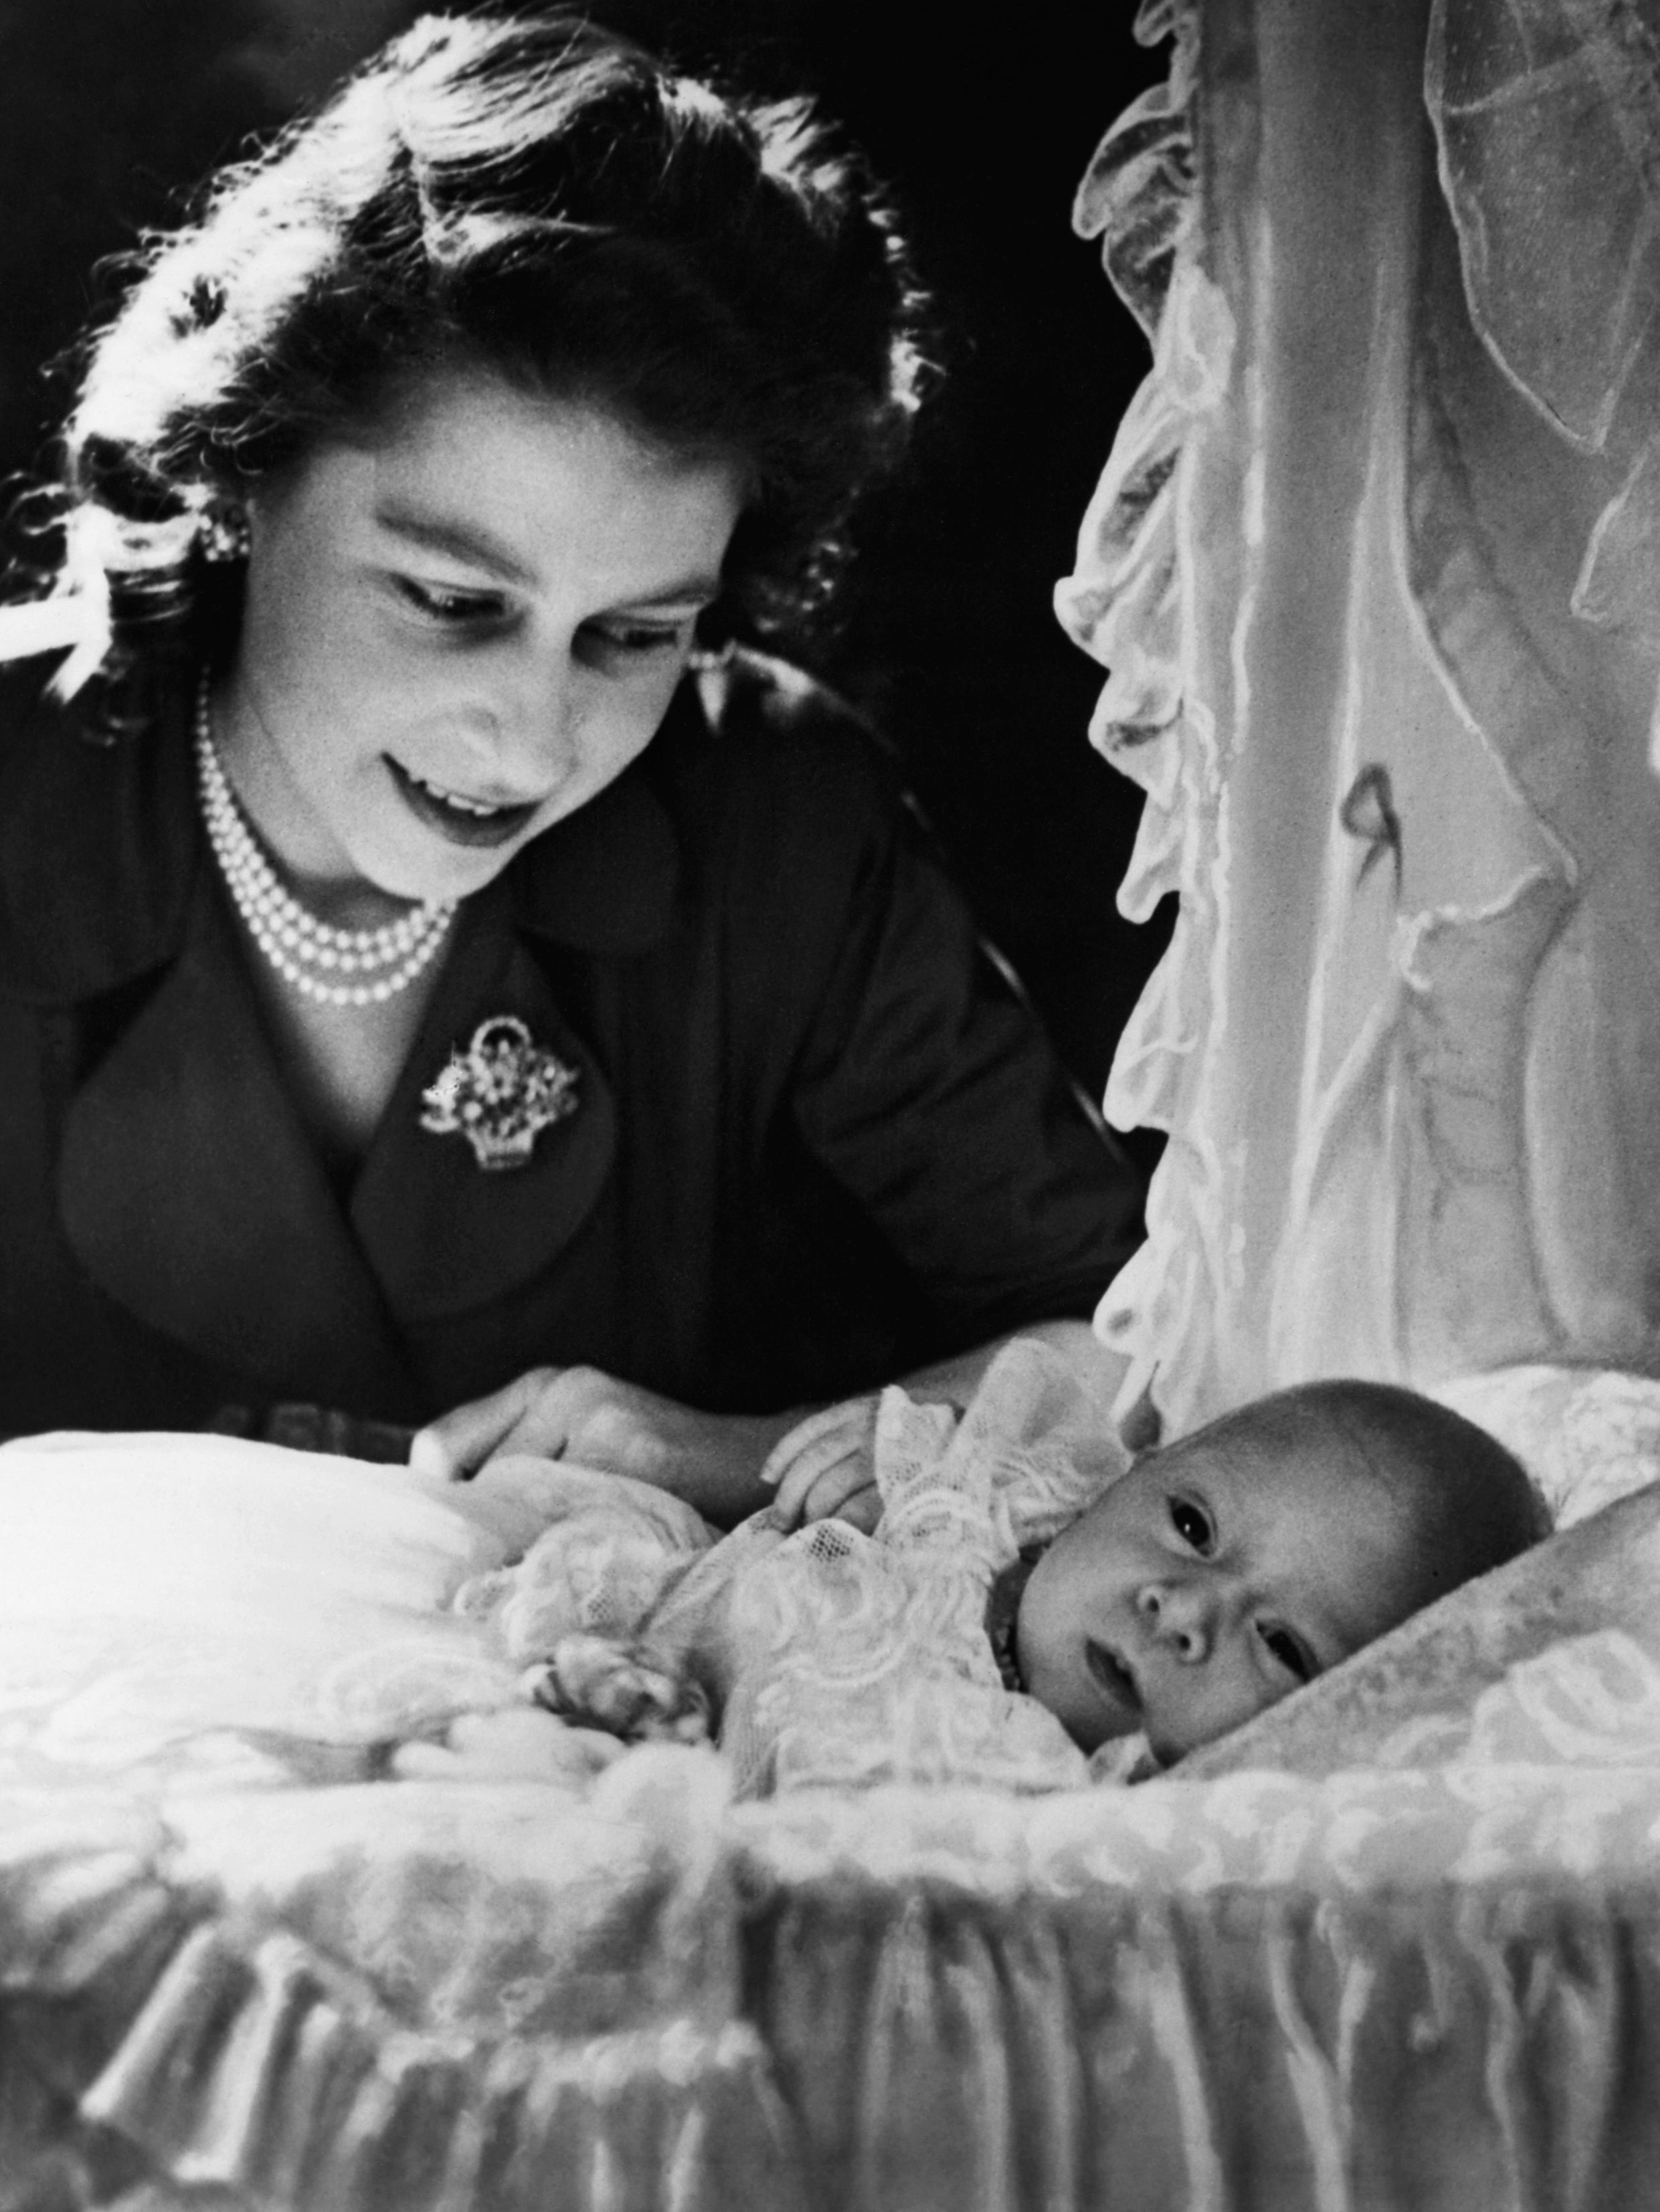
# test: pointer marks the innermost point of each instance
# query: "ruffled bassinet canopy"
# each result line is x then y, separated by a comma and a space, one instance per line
1375, 566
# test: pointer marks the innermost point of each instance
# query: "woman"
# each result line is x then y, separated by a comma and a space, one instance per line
444, 994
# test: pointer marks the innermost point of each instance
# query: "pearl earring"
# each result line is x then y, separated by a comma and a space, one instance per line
223, 533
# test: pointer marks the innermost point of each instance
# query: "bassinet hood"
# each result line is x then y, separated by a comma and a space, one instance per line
1374, 566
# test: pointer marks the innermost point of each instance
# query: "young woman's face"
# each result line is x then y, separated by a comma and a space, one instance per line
459, 626
1213, 1580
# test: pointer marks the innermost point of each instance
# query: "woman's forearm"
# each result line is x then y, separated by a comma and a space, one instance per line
716, 1462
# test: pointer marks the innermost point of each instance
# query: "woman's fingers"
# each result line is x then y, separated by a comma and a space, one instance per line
587, 1417
571, 1413
459, 1443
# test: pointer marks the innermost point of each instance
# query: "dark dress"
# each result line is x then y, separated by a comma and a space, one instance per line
818, 1140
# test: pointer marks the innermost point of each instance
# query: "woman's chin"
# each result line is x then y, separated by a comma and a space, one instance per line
423, 870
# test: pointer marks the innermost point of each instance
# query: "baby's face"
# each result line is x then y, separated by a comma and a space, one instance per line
1211, 1580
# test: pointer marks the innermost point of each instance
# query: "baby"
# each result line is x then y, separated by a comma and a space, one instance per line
1218, 1575
1021, 1562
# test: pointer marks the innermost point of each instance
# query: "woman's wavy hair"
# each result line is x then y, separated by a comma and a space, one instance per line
539, 196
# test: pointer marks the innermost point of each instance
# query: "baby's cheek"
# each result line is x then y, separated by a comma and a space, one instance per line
1193, 1712
1068, 1696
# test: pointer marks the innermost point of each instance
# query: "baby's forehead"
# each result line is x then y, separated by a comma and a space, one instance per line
1278, 1446
1334, 1519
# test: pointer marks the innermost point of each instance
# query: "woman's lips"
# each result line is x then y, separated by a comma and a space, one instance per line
461, 824
1111, 1674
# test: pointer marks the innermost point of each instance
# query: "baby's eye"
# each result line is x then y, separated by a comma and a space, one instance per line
1291, 1652
1192, 1524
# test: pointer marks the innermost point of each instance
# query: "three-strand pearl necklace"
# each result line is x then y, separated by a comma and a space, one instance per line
338, 967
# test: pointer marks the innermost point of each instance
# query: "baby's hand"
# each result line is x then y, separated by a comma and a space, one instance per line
825, 1466
624, 1689
518, 1745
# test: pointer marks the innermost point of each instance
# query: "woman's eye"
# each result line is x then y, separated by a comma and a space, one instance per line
1192, 1524
631, 639
1292, 1653
443, 605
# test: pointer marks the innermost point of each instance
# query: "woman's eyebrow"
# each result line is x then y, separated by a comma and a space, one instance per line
694, 590
459, 540
480, 550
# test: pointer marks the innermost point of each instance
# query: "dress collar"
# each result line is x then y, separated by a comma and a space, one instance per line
1003, 1614
101, 847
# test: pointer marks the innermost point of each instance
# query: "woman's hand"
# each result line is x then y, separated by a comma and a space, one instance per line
713, 1461
826, 1466
724, 1465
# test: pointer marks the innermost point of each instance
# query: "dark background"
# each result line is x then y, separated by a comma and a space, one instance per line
982, 128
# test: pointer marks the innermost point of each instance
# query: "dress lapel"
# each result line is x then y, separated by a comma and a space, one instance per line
189, 1191
101, 849
443, 1234
189, 1187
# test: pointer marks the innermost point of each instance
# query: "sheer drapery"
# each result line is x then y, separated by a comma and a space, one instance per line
1375, 566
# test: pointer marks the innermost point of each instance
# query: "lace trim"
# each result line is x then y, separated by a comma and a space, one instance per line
1003, 1615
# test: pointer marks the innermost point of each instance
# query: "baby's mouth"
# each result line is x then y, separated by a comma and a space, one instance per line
1113, 1675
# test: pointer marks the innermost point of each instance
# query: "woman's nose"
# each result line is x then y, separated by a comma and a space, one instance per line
1176, 1613
524, 733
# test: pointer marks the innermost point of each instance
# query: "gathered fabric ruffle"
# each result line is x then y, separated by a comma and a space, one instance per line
1378, 1948
1389, 1987
406, 2024
1374, 566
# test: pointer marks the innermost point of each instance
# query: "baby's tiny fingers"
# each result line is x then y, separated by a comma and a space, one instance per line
863, 1510
420, 1761
814, 1466
836, 1487
794, 1441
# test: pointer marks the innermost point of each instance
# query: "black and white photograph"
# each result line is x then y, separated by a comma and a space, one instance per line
830, 1106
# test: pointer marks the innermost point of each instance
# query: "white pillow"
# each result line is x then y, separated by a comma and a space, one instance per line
1586, 1435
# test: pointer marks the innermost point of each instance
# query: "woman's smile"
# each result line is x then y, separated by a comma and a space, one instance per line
463, 821
461, 625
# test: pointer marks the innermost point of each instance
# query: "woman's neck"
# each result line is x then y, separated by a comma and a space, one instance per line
307, 859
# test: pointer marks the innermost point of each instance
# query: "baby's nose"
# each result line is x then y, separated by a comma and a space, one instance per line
1176, 1614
